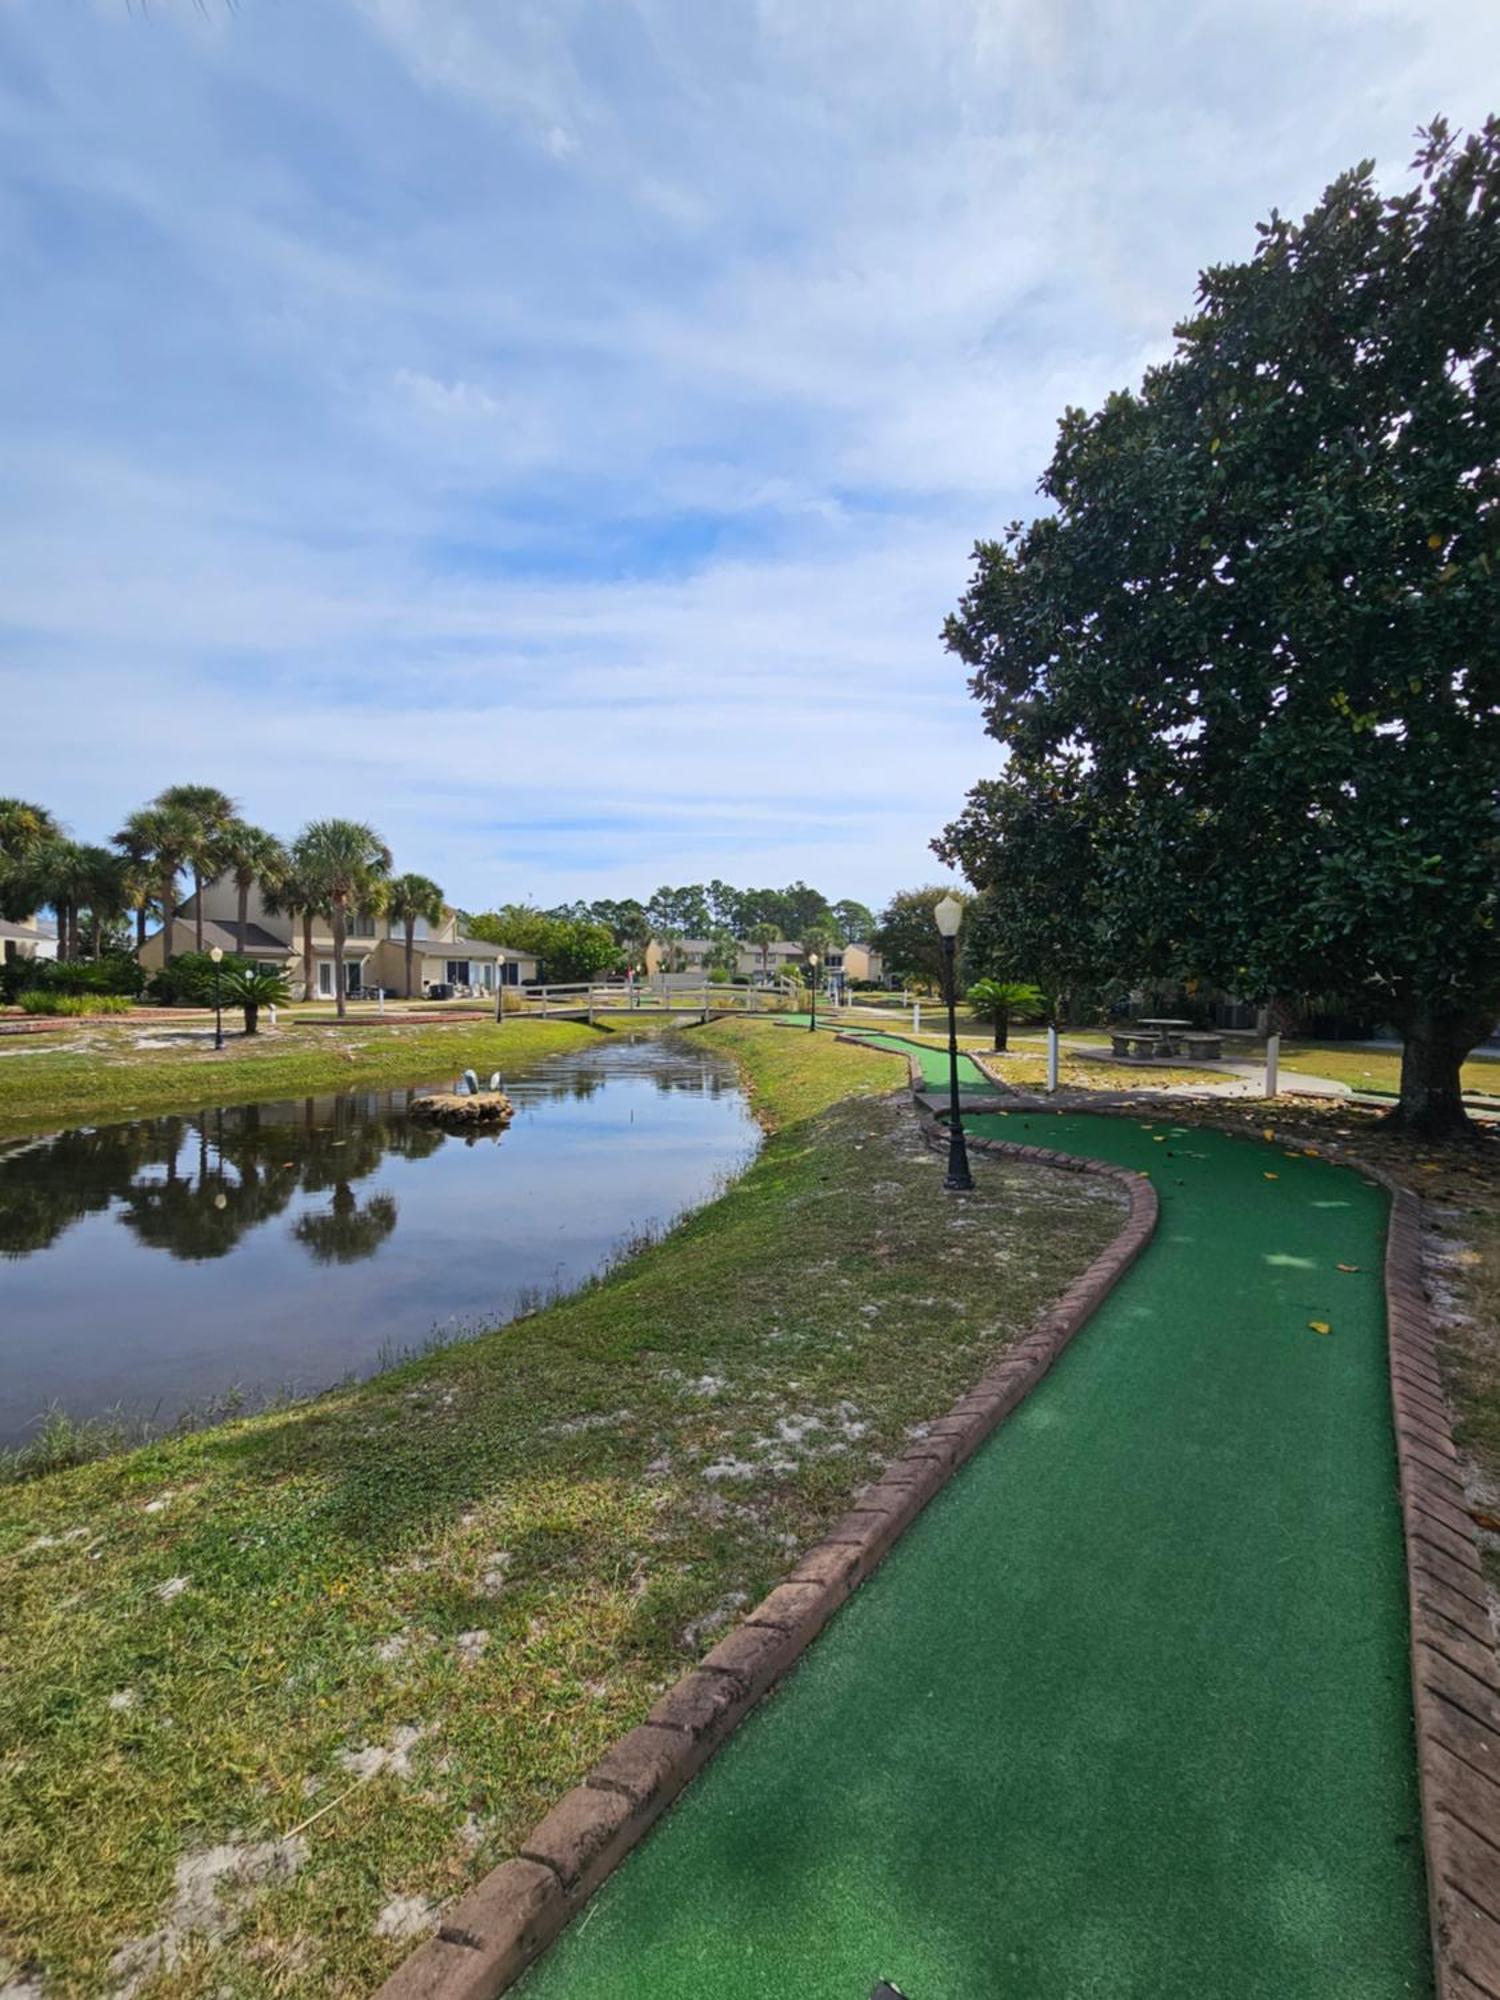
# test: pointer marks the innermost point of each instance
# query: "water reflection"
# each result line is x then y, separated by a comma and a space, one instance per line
447, 1229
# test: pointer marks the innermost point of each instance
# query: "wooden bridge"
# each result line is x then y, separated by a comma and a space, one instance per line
645, 1000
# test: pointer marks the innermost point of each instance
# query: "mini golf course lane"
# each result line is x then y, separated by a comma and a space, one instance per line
1127, 1711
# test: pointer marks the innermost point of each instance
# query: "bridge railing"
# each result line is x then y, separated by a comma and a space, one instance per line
591, 997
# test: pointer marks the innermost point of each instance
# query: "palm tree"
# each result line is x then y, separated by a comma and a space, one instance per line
106, 894
164, 839
251, 855
294, 894
997, 999
817, 941
24, 829
763, 936
347, 865
139, 877
409, 900
207, 813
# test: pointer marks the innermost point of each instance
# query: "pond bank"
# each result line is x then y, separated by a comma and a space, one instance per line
489, 1562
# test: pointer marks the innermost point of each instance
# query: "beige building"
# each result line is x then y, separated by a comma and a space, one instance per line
443, 962
845, 962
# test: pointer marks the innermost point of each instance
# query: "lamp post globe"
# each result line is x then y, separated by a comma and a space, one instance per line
217, 955
812, 969
948, 915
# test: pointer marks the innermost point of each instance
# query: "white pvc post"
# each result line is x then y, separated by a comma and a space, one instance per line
916, 1017
273, 1016
1273, 1064
1052, 1058
381, 991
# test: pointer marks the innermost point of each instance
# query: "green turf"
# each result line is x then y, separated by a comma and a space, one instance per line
1126, 1713
932, 1062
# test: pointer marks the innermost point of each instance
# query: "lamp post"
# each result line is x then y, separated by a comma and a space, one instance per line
812, 969
217, 955
949, 915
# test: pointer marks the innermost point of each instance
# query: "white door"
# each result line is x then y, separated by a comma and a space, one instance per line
325, 979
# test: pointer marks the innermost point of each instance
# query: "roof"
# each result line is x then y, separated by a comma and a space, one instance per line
259, 943
35, 932
465, 947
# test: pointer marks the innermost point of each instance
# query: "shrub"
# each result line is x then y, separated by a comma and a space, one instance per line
189, 980
252, 987
118, 973
38, 1000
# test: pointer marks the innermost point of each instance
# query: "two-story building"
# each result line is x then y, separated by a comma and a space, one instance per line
844, 964
31, 938
444, 962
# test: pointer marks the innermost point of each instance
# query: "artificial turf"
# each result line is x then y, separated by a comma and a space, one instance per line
1127, 1711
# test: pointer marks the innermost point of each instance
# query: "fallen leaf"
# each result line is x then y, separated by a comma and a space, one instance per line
1490, 1522
1320, 1326
1273, 1177
1160, 1139
1348, 1267
1269, 1132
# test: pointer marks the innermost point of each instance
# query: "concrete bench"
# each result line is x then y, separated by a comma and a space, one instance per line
1136, 1045
1203, 1048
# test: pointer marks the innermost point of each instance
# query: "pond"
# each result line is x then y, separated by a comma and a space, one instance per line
273, 1249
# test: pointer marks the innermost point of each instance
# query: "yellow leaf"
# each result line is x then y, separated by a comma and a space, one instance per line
1160, 1139
1347, 1267
1320, 1326
1434, 541
1273, 1177
1269, 1132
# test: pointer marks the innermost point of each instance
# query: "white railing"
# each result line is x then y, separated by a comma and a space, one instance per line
593, 997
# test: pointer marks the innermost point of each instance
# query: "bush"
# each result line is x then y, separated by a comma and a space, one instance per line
254, 987
189, 980
37, 1000
118, 973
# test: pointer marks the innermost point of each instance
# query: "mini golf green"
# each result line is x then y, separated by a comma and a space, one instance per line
1126, 1712
932, 1062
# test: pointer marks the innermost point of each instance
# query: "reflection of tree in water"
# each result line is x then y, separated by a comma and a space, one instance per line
47, 1184
195, 1186
349, 1229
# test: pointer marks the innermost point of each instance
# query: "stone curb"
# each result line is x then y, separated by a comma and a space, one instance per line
1455, 1674
491, 1934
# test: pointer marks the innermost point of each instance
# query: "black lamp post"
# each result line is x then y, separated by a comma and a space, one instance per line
217, 956
812, 969
949, 915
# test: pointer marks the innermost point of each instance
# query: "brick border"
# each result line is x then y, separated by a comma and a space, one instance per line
492, 1934
1455, 1672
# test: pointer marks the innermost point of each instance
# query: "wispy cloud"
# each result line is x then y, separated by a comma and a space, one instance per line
557, 433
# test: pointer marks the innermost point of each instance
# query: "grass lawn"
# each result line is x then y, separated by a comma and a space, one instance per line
1374, 1069
96, 1073
272, 1692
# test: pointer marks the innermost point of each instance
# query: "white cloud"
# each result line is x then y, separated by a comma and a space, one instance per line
560, 441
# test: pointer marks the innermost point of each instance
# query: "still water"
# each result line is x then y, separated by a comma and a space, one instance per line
155, 1265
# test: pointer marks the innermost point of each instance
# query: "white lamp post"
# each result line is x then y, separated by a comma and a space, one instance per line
217, 955
949, 915
812, 967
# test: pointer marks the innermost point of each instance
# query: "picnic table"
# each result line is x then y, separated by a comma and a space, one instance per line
1162, 1035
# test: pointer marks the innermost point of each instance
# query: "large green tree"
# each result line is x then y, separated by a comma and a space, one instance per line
566, 948
410, 900
344, 866
908, 938
251, 856
161, 839
205, 814
1257, 642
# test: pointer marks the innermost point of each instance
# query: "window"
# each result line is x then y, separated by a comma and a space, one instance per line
361, 923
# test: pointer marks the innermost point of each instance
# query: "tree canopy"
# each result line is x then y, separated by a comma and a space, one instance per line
1247, 670
907, 936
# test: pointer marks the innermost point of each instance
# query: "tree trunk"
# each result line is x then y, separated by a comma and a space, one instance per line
140, 923
1435, 1042
242, 918
338, 956
168, 914
411, 931
197, 911
1002, 1030
252, 1017
307, 955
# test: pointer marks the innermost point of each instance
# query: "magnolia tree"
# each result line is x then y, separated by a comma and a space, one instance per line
1247, 670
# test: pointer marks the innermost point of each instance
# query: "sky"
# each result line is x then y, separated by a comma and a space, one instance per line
555, 430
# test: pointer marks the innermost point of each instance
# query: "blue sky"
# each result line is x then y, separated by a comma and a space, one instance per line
554, 430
